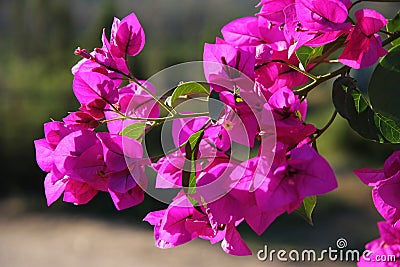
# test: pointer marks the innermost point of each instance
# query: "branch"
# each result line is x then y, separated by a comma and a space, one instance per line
321, 79
320, 132
393, 37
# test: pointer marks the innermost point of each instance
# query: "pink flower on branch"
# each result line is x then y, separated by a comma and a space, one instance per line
386, 184
364, 46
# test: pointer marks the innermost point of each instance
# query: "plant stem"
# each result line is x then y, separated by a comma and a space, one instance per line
132, 78
321, 79
320, 132
168, 118
322, 58
309, 75
393, 37
168, 109
156, 158
386, 32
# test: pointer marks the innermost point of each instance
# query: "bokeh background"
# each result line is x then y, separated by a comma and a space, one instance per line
37, 40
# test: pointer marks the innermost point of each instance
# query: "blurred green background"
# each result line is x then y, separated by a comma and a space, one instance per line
37, 40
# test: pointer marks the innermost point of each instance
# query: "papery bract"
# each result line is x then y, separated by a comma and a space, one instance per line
133, 101
181, 223
227, 67
384, 251
127, 36
385, 183
323, 16
82, 119
305, 173
364, 45
242, 32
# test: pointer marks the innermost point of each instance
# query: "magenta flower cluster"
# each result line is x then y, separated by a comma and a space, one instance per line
251, 71
385, 194
80, 161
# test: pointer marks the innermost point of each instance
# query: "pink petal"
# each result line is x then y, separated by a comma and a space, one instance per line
388, 212
78, 192
233, 243
88, 86
131, 198
389, 191
370, 177
128, 38
370, 21
54, 190
44, 155
243, 31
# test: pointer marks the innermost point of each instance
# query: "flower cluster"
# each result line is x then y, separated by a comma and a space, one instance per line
81, 161
386, 185
254, 72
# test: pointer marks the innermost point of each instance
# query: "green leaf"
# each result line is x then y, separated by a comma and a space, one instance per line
394, 25
188, 89
360, 102
384, 92
191, 151
352, 105
346, 99
195, 139
392, 60
307, 208
388, 127
134, 130
306, 53
193, 201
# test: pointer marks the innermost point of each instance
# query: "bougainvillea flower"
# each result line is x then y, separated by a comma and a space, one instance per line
323, 16
127, 36
80, 156
305, 173
181, 223
214, 144
286, 104
239, 119
116, 65
227, 67
242, 32
386, 182
289, 114
89, 86
94, 90
386, 247
54, 132
126, 178
271, 22
308, 20
81, 163
101, 60
78, 193
364, 46
126, 200
81, 119
133, 102
272, 76
57, 182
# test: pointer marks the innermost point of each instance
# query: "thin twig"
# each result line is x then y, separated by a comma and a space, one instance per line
320, 132
321, 79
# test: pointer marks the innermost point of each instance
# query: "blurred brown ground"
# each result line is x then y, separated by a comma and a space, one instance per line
37, 239
43, 241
